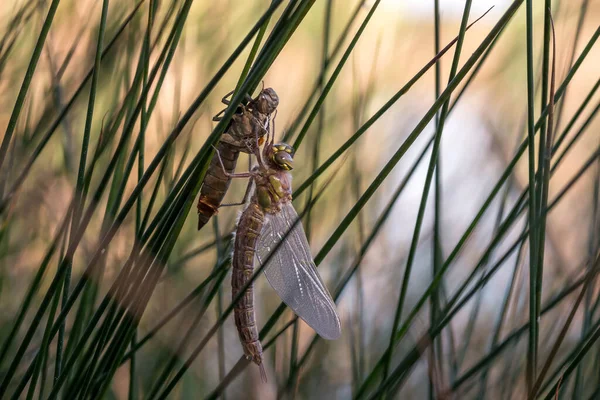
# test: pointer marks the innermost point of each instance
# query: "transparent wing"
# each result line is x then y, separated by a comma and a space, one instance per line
293, 274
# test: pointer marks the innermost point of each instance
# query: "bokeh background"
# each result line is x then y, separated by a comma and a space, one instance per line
482, 351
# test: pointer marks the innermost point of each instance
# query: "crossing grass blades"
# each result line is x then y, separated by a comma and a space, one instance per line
268, 220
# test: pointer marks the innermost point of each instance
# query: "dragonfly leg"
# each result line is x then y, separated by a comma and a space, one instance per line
270, 127
246, 196
257, 151
230, 175
219, 117
225, 99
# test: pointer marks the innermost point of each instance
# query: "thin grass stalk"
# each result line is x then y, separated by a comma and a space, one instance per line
44, 348
252, 55
153, 198
556, 381
413, 356
79, 195
561, 336
197, 292
589, 308
279, 36
359, 108
583, 10
221, 334
334, 76
179, 263
435, 363
182, 345
321, 113
35, 57
33, 368
427, 185
545, 146
58, 95
376, 116
118, 186
133, 388
289, 132
478, 300
516, 334
294, 373
122, 337
510, 290
131, 301
85, 220
545, 78
183, 159
475, 221
533, 233
34, 286
61, 115
546, 156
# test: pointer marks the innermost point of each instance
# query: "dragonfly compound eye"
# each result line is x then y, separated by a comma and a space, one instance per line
283, 159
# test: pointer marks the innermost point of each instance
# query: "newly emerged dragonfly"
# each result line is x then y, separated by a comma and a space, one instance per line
249, 122
291, 271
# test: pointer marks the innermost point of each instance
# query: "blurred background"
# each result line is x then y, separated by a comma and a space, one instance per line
467, 337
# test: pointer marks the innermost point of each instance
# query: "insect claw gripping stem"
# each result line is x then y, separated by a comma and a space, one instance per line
224, 100
246, 195
218, 117
257, 152
241, 175
218, 153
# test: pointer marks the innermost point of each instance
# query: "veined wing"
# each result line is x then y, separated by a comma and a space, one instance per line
293, 274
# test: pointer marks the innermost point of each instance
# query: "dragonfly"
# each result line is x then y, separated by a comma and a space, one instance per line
250, 121
270, 224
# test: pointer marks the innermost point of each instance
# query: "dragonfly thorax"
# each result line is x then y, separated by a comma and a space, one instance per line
273, 189
244, 131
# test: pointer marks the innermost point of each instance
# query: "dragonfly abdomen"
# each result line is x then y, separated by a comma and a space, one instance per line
216, 182
249, 228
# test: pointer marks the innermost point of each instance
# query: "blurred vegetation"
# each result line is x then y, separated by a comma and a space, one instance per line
448, 177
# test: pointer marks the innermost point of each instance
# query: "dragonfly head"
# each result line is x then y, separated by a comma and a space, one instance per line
267, 101
282, 155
